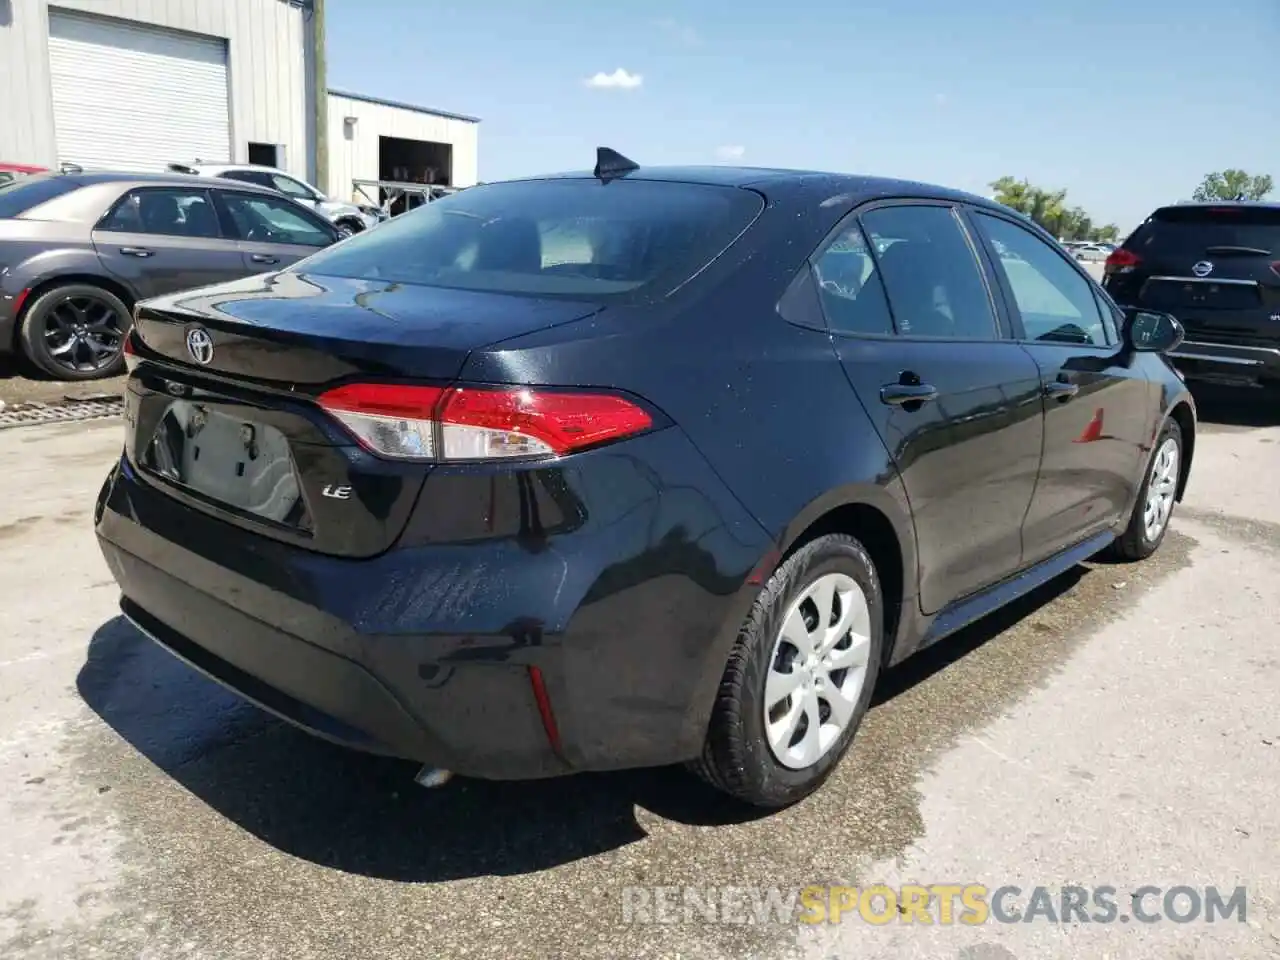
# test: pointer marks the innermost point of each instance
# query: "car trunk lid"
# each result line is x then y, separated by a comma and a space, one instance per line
221, 405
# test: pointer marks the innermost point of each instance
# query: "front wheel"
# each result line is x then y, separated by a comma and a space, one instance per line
800, 677
1149, 521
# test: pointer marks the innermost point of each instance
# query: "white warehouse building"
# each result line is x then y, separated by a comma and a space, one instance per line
139, 84
373, 139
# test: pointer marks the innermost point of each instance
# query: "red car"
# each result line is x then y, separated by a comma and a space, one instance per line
12, 171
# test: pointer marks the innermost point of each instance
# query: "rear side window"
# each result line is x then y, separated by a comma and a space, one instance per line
571, 238
20, 195
852, 296
1182, 232
930, 273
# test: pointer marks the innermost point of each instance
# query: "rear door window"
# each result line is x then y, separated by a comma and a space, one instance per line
570, 237
849, 287
165, 212
930, 273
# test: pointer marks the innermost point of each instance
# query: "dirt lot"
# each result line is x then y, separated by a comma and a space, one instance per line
1121, 727
19, 386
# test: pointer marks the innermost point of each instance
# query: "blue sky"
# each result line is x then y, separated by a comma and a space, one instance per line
1126, 109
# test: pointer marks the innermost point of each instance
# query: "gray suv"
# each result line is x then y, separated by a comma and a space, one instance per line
77, 251
349, 218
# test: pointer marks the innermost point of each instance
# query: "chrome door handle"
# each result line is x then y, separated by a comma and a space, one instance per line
1061, 390
136, 251
898, 394
264, 258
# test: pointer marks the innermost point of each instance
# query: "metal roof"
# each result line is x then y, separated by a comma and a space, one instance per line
396, 104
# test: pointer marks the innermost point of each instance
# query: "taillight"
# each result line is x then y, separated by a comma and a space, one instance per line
480, 423
1275, 267
129, 351
1121, 261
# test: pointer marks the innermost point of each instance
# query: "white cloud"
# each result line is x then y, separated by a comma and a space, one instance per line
678, 32
618, 80
732, 151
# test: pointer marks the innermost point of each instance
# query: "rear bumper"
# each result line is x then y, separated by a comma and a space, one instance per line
428, 652
1229, 363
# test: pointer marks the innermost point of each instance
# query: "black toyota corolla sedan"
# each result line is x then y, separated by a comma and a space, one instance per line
631, 467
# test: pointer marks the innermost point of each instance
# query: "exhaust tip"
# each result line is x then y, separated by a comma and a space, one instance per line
432, 777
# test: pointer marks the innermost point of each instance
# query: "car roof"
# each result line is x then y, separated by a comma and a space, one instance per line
89, 179
833, 188
1219, 204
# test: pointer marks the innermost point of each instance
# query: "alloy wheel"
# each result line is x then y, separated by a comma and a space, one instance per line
817, 670
83, 334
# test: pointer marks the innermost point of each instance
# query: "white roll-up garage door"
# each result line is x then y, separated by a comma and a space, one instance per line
133, 97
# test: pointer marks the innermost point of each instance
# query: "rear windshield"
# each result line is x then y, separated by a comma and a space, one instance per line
1190, 231
576, 238
20, 195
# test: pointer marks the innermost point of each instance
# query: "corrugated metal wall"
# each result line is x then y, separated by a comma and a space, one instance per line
353, 149
269, 71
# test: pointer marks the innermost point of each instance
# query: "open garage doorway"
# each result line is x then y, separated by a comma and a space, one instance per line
414, 161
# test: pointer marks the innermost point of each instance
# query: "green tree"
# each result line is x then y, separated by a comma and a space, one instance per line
1049, 209
1232, 185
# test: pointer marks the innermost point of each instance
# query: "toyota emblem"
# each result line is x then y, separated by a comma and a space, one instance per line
1202, 269
200, 345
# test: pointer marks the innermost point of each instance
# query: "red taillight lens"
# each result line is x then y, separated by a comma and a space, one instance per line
129, 351
480, 423
1121, 261
1275, 267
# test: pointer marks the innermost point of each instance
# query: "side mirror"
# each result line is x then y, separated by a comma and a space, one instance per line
1147, 331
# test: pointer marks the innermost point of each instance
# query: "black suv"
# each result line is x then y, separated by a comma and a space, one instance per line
1216, 267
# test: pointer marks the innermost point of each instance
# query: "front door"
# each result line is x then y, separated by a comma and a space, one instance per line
956, 402
1096, 398
161, 240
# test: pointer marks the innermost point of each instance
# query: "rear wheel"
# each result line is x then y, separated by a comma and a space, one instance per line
75, 331
800, 677
1149, 521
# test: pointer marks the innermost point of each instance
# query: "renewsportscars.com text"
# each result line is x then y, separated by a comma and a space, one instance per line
942, 904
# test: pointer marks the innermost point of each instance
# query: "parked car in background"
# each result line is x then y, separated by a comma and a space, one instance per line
1090, 252
730, 441
1216, 267
12, 171
349, 218
77, 251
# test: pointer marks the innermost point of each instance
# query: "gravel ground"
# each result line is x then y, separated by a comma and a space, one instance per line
18, 386
1119, 727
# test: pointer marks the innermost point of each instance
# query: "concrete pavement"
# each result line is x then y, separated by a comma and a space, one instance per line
1119, 728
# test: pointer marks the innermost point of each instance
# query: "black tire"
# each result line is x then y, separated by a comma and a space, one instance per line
355, 226
1134, 543
736, 757
99, 307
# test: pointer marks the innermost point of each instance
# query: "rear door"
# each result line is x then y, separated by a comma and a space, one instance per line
161, 240
274, 232
955, 401
1098, 402
1214, 267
